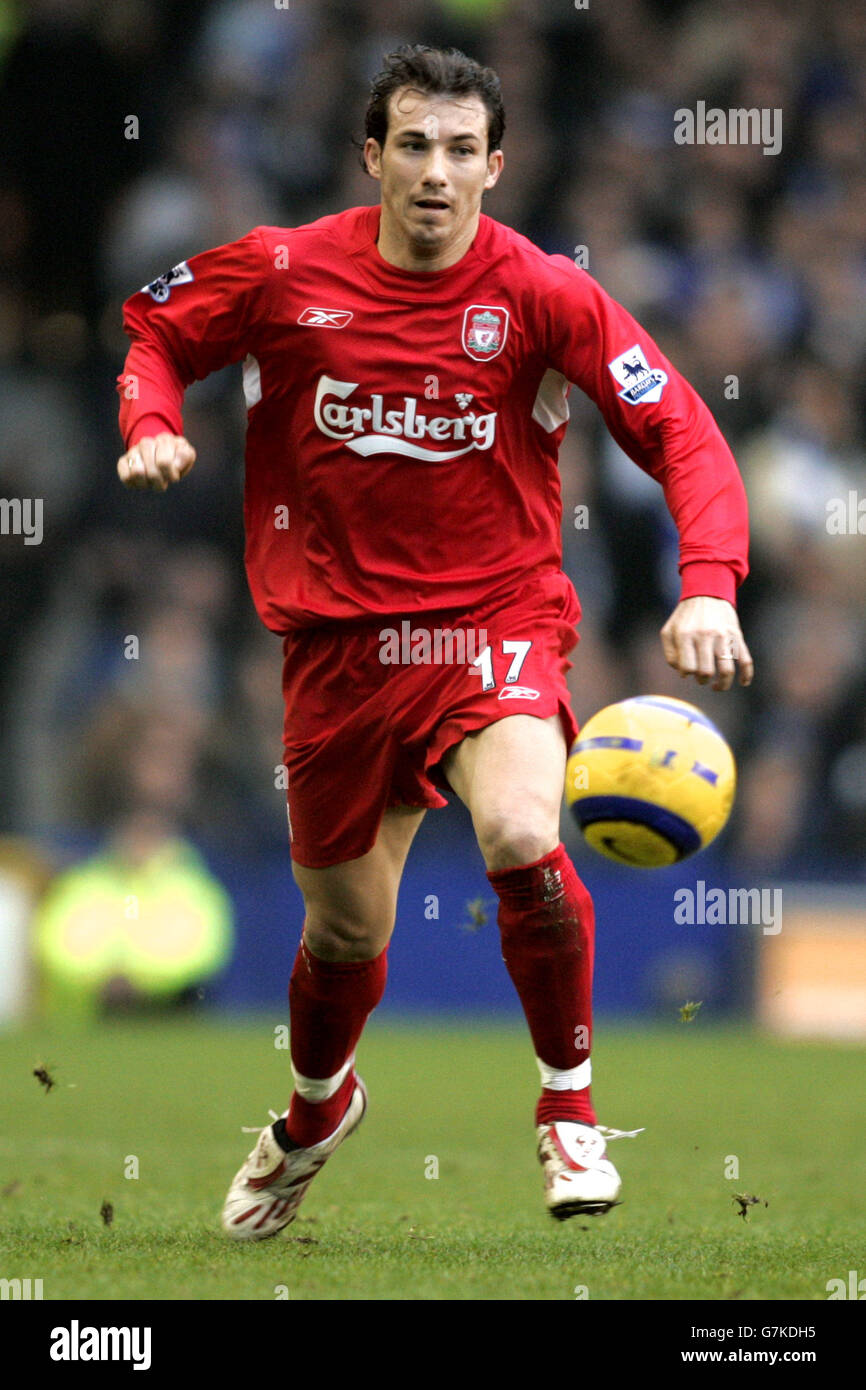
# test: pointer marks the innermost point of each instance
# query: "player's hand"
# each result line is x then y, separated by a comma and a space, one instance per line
702, 638
155, 462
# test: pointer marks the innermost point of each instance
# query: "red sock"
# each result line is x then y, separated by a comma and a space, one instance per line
329, 1003
547, 927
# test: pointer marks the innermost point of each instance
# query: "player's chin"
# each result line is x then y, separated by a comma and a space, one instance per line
431, 222
426, 237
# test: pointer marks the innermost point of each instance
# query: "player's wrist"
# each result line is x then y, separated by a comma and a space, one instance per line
708, 579
148, 427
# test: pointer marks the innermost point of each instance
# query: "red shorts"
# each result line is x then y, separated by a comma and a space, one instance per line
372, 707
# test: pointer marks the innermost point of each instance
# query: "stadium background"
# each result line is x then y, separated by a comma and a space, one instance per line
748, 269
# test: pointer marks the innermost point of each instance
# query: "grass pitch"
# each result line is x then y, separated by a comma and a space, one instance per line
725, 1113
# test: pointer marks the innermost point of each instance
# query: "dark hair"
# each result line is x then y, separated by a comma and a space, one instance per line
433, 71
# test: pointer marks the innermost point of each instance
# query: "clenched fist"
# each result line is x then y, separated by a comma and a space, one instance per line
155, 462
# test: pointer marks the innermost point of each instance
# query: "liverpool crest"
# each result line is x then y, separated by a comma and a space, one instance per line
485, 329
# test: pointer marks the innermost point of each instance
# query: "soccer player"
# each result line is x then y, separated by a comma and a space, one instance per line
406, 373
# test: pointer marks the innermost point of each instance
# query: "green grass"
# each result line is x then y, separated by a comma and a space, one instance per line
373, 1227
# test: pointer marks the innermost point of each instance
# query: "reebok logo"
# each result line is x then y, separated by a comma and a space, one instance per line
326, 318
371, 429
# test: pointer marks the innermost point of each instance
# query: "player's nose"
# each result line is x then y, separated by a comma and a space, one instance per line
434, 168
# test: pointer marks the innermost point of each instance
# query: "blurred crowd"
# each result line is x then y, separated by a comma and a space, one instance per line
135, 677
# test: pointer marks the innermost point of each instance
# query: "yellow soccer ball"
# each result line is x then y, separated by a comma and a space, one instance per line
650, 781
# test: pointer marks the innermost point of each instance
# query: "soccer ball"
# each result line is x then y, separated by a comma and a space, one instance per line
650, 781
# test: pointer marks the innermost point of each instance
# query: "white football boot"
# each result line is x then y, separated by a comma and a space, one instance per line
579, 1178
267, 1191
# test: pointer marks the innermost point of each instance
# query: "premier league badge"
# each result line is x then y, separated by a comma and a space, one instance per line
641, 383
160, 288
485, 329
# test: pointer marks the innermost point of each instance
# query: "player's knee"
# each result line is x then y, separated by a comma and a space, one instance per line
339, 935
520, 834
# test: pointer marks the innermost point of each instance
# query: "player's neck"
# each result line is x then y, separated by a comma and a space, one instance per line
404, 254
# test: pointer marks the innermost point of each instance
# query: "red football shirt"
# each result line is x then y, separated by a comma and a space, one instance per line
403, 426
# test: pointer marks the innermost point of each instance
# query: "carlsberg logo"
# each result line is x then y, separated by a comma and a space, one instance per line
370, 429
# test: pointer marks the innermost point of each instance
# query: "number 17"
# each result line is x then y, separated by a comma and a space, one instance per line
518, 651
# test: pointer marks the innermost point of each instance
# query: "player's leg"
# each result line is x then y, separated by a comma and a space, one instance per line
340, 971
510, 774
350, 910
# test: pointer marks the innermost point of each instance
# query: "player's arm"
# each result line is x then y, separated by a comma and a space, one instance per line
194, 320
659, 420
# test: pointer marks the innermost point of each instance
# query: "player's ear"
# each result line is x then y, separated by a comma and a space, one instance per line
495, 165
373, 157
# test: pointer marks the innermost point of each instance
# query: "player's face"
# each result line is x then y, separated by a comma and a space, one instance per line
433, 168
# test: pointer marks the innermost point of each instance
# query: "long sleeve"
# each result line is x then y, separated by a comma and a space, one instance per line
198, 317
659, 420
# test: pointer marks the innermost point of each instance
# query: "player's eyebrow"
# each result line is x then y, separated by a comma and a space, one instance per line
422, 135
